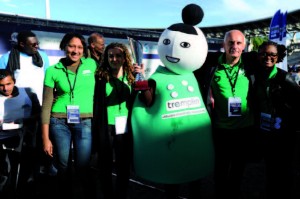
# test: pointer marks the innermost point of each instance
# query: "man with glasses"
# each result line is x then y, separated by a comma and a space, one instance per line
28, 64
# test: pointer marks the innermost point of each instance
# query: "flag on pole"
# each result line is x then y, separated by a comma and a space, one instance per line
278, 33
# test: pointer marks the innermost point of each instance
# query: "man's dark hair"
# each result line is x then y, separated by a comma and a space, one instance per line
5, 73
23, 35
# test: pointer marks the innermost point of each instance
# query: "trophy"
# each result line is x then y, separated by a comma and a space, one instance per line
137, 53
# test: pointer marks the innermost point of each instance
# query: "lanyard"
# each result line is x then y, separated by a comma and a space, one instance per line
230, 79
72, 87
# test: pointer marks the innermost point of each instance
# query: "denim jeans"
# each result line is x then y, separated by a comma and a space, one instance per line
63, 135
71, 142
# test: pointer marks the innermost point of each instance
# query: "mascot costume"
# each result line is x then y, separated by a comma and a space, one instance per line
171, 126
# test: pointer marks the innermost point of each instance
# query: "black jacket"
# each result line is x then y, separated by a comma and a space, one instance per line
100, 132
283, 98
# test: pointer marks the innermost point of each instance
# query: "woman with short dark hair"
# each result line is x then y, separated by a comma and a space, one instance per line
67, 112
277, 99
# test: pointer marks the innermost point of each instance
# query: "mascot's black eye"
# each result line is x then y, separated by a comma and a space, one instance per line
185, 44
166, 41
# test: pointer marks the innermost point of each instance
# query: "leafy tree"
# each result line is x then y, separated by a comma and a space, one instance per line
257, 41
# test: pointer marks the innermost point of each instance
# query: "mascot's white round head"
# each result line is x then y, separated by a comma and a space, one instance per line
182, 47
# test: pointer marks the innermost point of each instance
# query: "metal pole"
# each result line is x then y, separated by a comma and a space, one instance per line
47, 9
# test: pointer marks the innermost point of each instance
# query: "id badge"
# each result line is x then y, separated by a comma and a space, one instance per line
265, 121
73, 114
234, 106
121, 124
11, 126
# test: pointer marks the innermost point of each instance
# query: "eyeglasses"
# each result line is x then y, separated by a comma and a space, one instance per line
272, 55
34, 44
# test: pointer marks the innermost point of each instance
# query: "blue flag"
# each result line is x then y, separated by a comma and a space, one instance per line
278, 33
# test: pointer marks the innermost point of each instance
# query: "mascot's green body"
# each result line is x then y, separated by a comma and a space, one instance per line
172, 137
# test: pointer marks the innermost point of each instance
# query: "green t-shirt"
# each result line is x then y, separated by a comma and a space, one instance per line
117, 94
222, 90
57, 77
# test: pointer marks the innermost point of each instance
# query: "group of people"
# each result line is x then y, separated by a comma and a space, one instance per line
252, 104
63, 107
81, 106
21, 98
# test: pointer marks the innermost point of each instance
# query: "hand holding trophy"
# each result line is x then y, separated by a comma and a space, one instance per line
137, 53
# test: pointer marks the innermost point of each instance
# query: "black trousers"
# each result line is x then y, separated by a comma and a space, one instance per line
10, 142
278, 154
233, 149
115, 158
194, 192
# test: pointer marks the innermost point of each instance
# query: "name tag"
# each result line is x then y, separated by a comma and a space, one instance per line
121, 124
73, 114
265, 121
268, 123
234, 106
11, 126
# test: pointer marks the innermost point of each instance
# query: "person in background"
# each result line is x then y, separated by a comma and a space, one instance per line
19, 110
296, 73
277, 98
26, 61
96, 45
112, 105
297, 76
226, 86
67, 113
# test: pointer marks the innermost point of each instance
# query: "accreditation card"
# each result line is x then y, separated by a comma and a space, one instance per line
234, 106
73, 114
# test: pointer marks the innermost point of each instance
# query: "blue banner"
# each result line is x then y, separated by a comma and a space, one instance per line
278, 33
275, 26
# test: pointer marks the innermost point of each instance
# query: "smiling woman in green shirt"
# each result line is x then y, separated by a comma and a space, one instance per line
67, 111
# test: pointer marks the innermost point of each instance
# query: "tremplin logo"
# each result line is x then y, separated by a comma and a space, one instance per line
184, 103
183, 107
